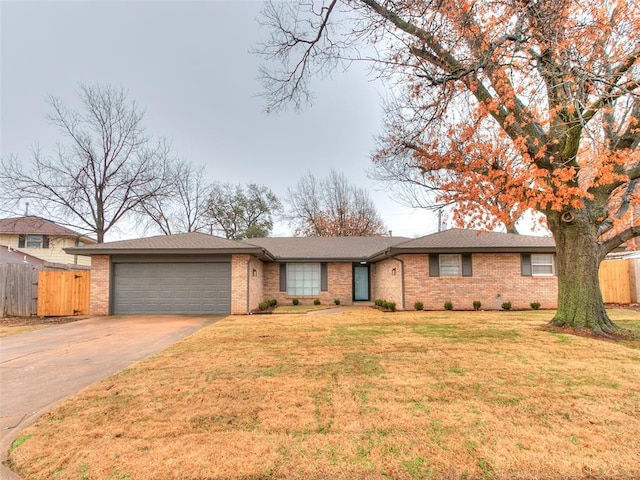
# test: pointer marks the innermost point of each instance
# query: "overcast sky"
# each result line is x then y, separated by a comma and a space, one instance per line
188, 64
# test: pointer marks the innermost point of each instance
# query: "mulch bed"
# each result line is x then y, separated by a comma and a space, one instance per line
23, 321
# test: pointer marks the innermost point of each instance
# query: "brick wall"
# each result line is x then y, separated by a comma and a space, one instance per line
240, 295
100, 277
496, 279
256, 282
386, 281
339, 283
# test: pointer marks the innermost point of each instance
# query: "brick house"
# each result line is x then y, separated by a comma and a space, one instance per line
195, 273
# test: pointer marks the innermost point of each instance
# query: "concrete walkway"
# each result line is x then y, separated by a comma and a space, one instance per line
39, 369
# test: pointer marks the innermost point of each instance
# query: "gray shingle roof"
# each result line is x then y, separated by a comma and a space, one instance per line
325, 248
345, 249
458, 239
180, 243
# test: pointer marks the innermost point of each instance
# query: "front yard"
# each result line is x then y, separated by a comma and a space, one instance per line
357, 395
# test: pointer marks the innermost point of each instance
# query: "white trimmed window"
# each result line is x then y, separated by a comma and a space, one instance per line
33, 241
450, 265
542, 264
303, 279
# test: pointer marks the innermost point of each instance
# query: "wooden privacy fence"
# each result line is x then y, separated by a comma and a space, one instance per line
18, 289
27, 290
63, 293
617, 281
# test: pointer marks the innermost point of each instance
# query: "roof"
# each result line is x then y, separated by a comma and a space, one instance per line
182, 243
325, 248
36, 226
11, 255
459, 240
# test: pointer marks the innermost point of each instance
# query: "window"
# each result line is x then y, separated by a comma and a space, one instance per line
303, 279
450, 265
541, 264
538, 264
33, 241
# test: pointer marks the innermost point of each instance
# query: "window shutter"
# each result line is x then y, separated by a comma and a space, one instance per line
467, 269
525, 264
283, 277
45, 241
434, 265
324, 282
20, 241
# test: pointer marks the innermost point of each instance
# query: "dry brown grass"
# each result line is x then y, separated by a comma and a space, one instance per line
17, 325
357, 395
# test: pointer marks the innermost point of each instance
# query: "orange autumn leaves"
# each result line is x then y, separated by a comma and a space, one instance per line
523, 106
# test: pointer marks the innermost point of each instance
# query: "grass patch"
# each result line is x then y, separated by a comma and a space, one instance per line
419, 395
19, 441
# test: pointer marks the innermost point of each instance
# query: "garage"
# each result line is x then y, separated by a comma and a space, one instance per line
185, 287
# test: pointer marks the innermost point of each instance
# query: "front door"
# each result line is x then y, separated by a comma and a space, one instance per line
361, 282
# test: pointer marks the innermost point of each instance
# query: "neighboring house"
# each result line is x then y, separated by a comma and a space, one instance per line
43, 239
11, 255
196, 273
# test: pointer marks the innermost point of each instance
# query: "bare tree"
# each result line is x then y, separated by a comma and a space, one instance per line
332, 207
182, 206
105, 168
239, 212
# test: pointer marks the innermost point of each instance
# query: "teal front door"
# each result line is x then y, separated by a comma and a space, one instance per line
361, 282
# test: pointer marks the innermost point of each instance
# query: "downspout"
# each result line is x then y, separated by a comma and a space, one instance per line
248, 285
401, 279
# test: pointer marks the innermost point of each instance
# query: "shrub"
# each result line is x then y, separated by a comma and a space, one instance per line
336, 301
448, 305
273, 302
506, 306
316, 301
263, 306
379, 302
477, 305
535, 305
391, 306
418, 306
295, 301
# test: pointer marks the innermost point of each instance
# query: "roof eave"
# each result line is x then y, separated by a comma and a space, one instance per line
88, 251
535, 249
321, 259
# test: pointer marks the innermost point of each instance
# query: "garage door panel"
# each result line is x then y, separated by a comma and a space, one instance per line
191, 288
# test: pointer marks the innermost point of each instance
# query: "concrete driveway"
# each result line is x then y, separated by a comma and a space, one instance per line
41, 368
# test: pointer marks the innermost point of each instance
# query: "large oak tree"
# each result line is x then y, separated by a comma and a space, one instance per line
502, 106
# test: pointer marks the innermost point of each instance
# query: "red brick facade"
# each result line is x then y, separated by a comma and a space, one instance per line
339, 282
240, 287
403, 279
496, 279
386, 281
100, 285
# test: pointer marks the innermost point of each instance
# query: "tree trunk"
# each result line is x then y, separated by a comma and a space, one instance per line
580, 304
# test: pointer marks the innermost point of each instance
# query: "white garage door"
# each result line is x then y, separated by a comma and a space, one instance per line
182, 288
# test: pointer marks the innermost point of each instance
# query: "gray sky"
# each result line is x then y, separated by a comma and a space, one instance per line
188, 64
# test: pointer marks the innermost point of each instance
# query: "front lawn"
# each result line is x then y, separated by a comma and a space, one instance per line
357, 395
